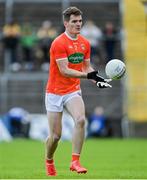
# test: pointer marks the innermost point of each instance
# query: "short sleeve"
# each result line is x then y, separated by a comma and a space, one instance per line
59, 51
87, 53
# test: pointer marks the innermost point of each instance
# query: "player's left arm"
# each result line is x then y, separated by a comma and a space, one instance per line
94, 75
87, 66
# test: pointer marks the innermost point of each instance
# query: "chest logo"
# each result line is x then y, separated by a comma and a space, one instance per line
76, 58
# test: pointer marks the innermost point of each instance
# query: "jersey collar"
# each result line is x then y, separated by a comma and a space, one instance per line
70, 37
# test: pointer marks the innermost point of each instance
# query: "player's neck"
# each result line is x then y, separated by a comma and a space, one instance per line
71, 36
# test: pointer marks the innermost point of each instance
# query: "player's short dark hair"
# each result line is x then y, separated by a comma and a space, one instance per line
69, 11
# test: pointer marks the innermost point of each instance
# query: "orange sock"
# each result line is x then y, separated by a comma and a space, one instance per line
75, 157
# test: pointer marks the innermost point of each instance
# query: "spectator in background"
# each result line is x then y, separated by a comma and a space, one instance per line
11, 35
96, 122
28, 40
110, 37
94, 35
19, 124
46, 35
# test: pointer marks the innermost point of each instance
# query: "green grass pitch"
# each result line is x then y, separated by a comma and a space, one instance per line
104, 158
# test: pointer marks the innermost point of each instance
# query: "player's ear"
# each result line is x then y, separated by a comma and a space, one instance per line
65, 23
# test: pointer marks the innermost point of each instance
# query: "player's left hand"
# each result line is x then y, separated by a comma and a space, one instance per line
100, 81
94, 75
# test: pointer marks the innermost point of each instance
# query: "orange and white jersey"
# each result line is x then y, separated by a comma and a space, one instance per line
76, 51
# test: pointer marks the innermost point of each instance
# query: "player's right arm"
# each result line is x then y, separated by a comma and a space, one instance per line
68, 72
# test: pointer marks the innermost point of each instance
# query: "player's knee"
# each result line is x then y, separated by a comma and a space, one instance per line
80, 121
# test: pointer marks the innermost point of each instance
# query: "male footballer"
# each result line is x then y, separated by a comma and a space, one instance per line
69, 62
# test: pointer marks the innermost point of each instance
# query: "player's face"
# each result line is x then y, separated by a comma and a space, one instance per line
73, 26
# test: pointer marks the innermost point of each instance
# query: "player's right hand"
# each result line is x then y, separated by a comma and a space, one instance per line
103, 85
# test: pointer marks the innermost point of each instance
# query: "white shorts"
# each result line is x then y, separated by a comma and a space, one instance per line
55, 103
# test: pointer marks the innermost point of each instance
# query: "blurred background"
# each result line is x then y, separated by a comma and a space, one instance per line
115, 29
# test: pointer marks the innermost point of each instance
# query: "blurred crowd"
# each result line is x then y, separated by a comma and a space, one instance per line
19, 123
28, 47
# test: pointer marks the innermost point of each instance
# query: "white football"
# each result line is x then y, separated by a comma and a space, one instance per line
115, 69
